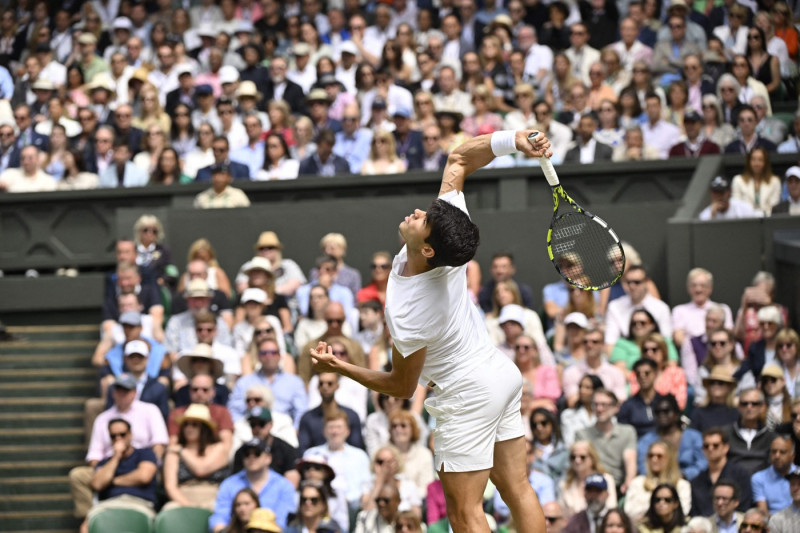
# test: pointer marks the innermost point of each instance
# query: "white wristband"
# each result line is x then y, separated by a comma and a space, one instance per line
503, 142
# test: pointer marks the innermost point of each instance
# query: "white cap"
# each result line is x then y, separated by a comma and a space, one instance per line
228, 74
769, 313
512, 312
254, 294
137, 346
348, 47
579, 319
122, 23
793, 172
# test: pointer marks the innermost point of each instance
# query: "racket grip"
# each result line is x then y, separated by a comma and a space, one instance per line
547, 165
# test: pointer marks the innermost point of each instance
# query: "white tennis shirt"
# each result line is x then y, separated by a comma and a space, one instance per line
433, 310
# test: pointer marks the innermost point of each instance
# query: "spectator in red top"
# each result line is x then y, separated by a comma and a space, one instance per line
376, 290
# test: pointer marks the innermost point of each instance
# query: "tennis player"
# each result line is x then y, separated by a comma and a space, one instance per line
441, 340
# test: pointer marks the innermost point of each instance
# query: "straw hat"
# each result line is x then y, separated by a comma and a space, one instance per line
719, 373
202, 351
264, 520
198, 412
268, 238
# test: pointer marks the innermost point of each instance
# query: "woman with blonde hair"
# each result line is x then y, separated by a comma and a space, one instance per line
280, 120
560, 82
154, 142
264, 327
152, 256
715, 129
484, 120
424, 110
405, 433
152, 112
787, 356
583, 461
203, 250
757, 185
304, 139
661, 467
383, 158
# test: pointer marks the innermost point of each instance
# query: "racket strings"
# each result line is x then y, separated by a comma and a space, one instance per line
585, 252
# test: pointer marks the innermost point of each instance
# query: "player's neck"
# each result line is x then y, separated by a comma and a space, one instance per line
416, 263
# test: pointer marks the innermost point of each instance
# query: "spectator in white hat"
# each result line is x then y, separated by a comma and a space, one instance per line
791, 205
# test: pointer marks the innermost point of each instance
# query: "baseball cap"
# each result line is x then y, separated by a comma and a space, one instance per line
596, 481
130, 318
126, 381
137, 347
793, 172
254, 294
257, 444
348, 47
402, 112
692, 116
576, 318
122, 23
203, 89
260, 413
512, 312
719, 184
228, 74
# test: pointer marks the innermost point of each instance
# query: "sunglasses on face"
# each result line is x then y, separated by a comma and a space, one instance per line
264, 331
313, 500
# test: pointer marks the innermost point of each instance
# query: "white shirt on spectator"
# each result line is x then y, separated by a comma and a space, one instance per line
662, 136
736, 209
619, 313
539, 57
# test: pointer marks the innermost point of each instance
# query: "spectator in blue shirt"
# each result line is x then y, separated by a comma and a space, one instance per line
353, 142
770, 486
274, 491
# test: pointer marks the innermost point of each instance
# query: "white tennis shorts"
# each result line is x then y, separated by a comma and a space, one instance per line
472, 416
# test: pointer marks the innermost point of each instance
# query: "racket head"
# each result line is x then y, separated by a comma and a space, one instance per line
585, 250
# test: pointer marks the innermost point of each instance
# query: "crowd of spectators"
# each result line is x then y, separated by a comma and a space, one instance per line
634, 410
125, 93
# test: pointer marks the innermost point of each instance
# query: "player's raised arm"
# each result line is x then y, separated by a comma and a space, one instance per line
480, 151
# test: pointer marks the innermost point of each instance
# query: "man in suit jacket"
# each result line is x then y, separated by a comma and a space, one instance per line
124, 129
148, 388
27, 135
471, 27
694, 145
588, 521
408, 141
324, 162
433, 158
725, 496
792, 205
748, 137
285, 89
665, 59
122, 172
184, 94
587, 149
221, 149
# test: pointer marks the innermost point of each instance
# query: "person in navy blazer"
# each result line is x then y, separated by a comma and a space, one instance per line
770, 319
153, 391
408, 141
324, 162
222, 149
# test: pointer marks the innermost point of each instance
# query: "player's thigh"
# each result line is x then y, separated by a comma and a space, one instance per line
510, 464
464, 490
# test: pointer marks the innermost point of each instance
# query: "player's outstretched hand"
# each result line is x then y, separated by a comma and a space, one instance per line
323, 358
539, 147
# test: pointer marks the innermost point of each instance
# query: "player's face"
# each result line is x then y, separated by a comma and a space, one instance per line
414, 228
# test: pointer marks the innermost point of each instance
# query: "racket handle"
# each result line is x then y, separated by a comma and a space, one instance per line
546, 164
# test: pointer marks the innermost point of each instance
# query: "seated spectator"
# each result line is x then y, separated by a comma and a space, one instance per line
433, 156
381, 518
148, 431
288, 389
723, 351
313, 325
315, 469
181, 328
670, 378
201, 391
199, 269
773, 383
587, 149
197, 464
791, 205
354, 141
260, 426
206, 332
665, 512
717, 409
282, 425
615, 443
407, 141
350, 464
256, 325
599, 89
694, 145
122, 172
628, 350
404, 434
620, 310
662, 467
504, 269
310, 431
694, 349
221, 151
260, 274
202, 250
597, 493
771, 128
748, 138
274, 491
376, 289
383, 158
609, 131
324, 162
371, 318
327, 276
29, 177
670, 429
126, 478
348, 393
763, 350
757, 185
657, 132
550, 454
637, 410
376, 429
152, 256
634, 148
594, 363
155, 144
148, 388
313, 512
771, 491
584, 467
244, 505
723, 206
221, 194
483, 120
278, 161
387, 466
750, 453
616, 520
688, 320
202, 155
716, 447
792, 144
200, 360
671, 49
335, 318
786, 520
543, 377
725, 496
568, 337
507, 305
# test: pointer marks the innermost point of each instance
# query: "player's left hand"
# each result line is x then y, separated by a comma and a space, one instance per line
323, 358
539, 147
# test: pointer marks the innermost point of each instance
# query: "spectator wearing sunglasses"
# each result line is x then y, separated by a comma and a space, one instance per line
716, 446
284, 455
749, 437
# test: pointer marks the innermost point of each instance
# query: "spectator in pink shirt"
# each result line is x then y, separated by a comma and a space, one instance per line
689, 319
594, 363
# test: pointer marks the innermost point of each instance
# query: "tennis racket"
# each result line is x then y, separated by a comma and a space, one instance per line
583, 247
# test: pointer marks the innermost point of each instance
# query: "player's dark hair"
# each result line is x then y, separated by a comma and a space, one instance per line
454, 237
